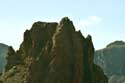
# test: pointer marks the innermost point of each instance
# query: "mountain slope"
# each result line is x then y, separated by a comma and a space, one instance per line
3, 54
112, 59
53, 53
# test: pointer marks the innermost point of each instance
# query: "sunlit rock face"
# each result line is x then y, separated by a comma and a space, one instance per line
111, 59
53, 53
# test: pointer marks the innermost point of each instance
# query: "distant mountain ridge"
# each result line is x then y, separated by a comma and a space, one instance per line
116, 44
3, 54
112, 59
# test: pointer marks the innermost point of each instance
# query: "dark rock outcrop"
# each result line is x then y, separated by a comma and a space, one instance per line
12, 59
3, 54
54, 53
111, 59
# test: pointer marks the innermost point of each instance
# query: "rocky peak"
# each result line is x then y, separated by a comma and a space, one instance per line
55, 53
66, 23
65, 20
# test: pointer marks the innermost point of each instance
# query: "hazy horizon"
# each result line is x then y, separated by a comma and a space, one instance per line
103, 20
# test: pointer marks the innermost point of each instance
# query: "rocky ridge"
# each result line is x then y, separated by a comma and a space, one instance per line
53, 53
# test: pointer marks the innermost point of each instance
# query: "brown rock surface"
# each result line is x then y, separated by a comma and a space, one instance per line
55, 53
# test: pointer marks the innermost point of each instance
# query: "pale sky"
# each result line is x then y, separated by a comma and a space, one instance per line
103, 19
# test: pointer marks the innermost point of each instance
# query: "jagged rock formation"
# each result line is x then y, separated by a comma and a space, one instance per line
112, 59
3, 54
53, 53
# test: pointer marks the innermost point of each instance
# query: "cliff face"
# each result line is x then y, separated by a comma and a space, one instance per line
54, 53
111, 59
